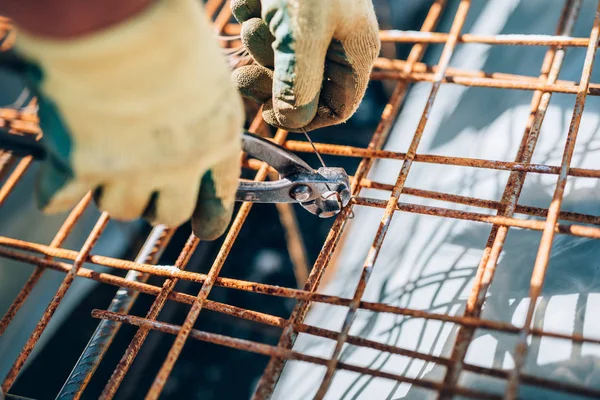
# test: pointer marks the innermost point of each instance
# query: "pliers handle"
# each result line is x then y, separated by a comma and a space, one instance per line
323, 192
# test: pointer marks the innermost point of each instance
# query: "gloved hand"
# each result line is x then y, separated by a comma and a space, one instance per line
315, 58
141, 112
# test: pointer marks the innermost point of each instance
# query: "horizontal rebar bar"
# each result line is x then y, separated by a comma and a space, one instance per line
269, 350
278, 291
404, 73
351, 151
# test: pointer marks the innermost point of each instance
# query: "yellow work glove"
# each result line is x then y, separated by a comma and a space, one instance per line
141, 113
315, 58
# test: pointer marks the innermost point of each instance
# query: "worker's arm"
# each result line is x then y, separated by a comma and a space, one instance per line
69, 18
136, 103
314, 58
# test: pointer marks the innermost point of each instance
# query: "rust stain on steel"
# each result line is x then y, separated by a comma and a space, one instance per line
37, 273
405, 72
506, 39
207, 285
393, 201
111, 387
482, 203
349, 151
354, 340
541, 263
247, 345
50, 310
575, 230
122, 302
267, 382
268, 350
14, 178
484, 82
382, 66
487, 266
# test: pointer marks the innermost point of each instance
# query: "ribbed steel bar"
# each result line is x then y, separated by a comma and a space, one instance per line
404, 72
37, 273
543, 256
168, 286
485, 82
350, 151
104, 334
399, 36
55, 302
421, 37
495, 243
207, 285
260, 348
386, 68
272, 372
373, 254
278, 291
467, 200
111, 387
269, 350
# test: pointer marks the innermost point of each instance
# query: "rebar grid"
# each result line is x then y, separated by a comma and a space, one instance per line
500, 215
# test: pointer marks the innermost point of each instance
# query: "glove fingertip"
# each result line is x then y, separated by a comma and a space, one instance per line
253, 82
295, 117
258, 40
243, 10
212, 215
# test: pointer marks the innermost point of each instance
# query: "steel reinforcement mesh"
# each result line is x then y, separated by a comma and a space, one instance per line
507, 214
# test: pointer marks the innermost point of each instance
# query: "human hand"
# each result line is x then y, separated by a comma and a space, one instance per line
143, 113
315, 58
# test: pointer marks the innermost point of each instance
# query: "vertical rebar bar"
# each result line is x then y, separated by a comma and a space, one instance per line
487, 266
543, 256
51, 309
272, 372
106, 331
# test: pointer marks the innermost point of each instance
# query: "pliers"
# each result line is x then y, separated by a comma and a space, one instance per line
323, 192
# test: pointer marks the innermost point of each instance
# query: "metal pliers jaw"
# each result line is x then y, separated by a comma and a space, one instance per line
323, 193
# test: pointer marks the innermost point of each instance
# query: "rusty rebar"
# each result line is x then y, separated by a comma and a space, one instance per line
384, 224
37, 273
404, 72
487, 266
399, 36
272, 372
350, 151
277, 291
136, 343
55, 302
281, 323
388, 69
268, 350
104, 334
207, 285
260, 348
545, 247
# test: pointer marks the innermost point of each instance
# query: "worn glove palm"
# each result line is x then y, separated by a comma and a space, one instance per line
315, 58
142, 113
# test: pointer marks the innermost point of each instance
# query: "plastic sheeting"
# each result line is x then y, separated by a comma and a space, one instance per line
429, 262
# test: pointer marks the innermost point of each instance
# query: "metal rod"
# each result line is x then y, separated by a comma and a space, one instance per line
487, 266
51, 309
104, 334
543, 256
269, 379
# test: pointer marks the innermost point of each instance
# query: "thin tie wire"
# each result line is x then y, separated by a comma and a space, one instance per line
351, 216
314, 148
